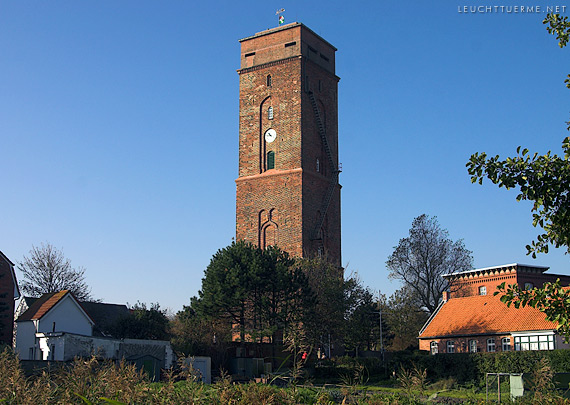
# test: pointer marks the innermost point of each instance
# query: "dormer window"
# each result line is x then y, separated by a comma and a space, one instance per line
270, 113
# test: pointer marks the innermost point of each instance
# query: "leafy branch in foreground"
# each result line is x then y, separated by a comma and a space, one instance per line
543, 179
559, 26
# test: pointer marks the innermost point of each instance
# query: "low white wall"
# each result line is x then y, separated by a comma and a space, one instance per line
69, 345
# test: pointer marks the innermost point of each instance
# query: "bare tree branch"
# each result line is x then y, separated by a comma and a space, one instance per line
46, 270
424, 256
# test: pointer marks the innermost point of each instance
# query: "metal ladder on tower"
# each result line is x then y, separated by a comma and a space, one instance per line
334, 169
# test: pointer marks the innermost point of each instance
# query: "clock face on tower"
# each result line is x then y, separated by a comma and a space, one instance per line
270, 135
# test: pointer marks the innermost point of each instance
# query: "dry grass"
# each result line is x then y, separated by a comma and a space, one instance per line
92, 381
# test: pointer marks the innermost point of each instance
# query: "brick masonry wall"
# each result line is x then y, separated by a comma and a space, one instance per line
325, 89
297, 61
280, 191
468, 285
255, 99
6, 298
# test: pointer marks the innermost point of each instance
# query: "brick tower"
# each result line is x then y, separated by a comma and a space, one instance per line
288, 192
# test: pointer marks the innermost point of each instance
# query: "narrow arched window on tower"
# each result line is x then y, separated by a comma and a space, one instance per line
270, 113
269, 81
270, 160
318, 165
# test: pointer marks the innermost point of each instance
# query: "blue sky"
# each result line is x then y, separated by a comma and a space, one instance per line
119, 130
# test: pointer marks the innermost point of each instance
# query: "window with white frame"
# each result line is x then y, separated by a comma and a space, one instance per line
534, 342
473, 346
491, 344
433, 347
506, 344
482, 290
450, 346
270, 113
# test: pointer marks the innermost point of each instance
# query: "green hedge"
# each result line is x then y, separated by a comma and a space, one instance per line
471, 367
463, 367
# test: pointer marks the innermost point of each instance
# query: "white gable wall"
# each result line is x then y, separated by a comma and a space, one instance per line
68, 317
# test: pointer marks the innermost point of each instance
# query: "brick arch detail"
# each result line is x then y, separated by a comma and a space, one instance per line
268, 228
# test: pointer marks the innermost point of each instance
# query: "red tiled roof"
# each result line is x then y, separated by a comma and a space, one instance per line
42, 305
483, 314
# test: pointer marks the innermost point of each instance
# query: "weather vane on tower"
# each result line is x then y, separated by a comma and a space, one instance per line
279, 16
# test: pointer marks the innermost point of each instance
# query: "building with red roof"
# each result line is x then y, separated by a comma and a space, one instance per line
51, 313
58, 327
471, 318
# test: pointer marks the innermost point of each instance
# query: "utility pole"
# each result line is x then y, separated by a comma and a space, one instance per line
381, 331
379, 312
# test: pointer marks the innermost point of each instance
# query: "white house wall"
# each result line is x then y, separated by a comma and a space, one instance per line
20, 309
68, 317
25, 339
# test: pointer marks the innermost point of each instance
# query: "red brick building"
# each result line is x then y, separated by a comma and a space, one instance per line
287, 190
8, 293
472, 319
